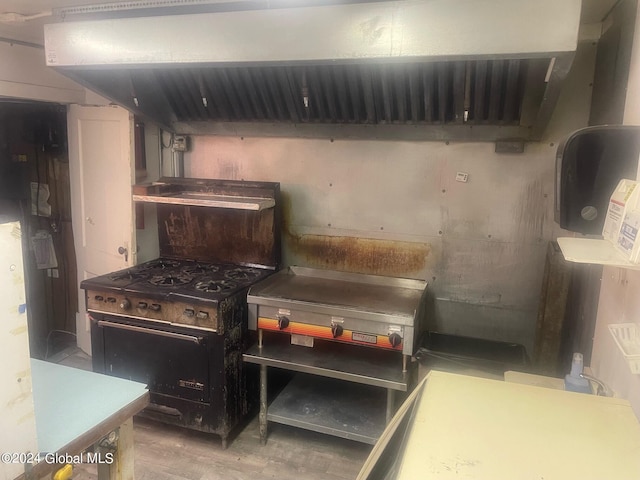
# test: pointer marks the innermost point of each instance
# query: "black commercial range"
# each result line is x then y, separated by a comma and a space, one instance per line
179, 323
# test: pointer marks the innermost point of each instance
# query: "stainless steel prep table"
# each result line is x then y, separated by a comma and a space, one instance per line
342, 312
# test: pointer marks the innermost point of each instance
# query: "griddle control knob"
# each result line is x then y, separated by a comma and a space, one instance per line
283, 322
395, 339
154, 307
142, 305
189, 312
125, 304
336, 330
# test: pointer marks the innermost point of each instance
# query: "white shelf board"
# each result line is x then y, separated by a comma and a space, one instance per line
594, 251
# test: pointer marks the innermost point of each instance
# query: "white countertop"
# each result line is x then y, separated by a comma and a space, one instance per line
476, 428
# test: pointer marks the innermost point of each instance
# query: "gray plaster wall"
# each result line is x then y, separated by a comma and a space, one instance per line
482, 242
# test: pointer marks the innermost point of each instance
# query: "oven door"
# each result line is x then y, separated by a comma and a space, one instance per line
170, 360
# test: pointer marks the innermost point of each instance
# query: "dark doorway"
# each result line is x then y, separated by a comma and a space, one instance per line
35, 189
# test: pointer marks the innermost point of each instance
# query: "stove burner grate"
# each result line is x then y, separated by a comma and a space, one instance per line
161, 264
199, 269
242, 273
170, 280
215, 286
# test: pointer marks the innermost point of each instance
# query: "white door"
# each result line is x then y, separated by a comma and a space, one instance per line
102, 172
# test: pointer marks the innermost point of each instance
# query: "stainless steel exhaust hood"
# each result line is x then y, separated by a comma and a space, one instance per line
416, 69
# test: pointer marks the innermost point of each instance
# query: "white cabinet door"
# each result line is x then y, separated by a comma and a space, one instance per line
102, 172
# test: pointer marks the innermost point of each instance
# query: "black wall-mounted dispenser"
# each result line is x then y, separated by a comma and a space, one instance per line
589, 164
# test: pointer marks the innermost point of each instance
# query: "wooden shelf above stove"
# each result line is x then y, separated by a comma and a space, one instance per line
208, 200
225, 194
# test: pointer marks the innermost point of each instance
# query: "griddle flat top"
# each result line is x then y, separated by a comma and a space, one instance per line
366, 293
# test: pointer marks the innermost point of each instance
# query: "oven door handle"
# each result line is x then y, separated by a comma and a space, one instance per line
162, 333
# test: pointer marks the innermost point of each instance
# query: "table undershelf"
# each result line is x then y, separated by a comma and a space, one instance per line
342, 390
330, 406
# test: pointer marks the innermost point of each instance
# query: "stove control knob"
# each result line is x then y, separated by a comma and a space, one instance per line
125, 304
203, 315
142, 305
395, 339
336, 330
283, 322
154, 307
189, 312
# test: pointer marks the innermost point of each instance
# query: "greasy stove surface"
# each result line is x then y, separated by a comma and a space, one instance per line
179, 280
367, 294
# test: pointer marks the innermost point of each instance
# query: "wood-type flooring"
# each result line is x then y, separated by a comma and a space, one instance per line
165, 452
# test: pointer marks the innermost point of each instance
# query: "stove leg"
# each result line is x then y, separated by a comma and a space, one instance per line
404, 363
225, 443
260, 338
391, 400
262, 417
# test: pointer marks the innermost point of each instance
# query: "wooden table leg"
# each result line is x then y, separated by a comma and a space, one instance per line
262, 417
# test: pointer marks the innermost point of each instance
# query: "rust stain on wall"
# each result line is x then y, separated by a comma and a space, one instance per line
361, 255
217, 235
530, 212
183, 231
